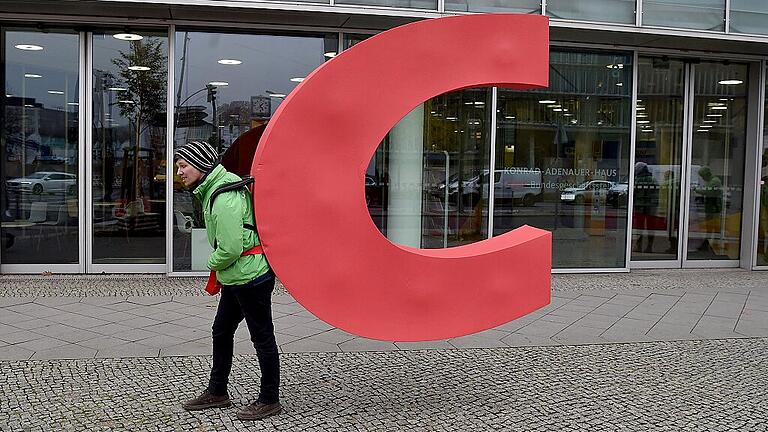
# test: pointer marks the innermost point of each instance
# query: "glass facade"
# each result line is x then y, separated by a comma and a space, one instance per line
690, 14
612, 11
417, 4
220, 99
129, 153
459, 168
517, 6
39, 148
749, 16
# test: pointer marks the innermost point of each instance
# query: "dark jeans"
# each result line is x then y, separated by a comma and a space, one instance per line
252, 301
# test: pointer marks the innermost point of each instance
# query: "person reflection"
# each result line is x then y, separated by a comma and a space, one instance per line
712, 192
670, 208
646, 202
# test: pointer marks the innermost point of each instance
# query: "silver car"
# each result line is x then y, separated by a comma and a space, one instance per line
45, 182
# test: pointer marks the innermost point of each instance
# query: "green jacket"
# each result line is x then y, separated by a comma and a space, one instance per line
224, 225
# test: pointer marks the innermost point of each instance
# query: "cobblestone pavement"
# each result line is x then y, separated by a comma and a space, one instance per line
717, 385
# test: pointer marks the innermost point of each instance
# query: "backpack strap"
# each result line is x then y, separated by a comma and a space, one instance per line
244, 183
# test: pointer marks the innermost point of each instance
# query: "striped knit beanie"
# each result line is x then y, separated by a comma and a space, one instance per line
199, 154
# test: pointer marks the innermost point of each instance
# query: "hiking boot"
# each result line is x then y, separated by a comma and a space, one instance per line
206, 400
258, 411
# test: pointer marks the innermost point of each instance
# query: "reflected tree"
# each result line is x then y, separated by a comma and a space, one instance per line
143, 70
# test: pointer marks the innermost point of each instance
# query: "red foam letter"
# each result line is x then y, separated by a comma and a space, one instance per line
309, 192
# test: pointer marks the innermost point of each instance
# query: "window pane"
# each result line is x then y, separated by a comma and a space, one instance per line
40, 138
130, 75
416, 4
228, 85
717, 161
516, 6
614, 11
442, 146
762, 233
563, 153
749, 16
693, 14
658, 159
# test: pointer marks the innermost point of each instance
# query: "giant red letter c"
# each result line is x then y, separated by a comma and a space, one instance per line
309, 193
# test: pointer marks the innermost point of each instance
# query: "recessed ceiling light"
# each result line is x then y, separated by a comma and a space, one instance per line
297, 79
719, 108
28, 47
710, 121
451, 118
138, 68
641, 108
31, 75
615, 66
723, 99
568, 115
230, 62
702, 130
705, 126
330, 54
117, 89
479, 103
218, 83
468, 103
643, 121
56, 92
731, 82
547, 101
277, 95
714, 115
639, 100
128, 36
647, 130
558, 110
642, 115
509, 117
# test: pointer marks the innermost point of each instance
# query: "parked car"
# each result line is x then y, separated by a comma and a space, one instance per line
521, 185
45, 182
586, 192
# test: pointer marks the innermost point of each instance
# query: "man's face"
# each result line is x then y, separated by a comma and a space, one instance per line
189, 174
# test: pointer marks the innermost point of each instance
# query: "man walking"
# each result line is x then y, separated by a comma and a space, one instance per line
245, 278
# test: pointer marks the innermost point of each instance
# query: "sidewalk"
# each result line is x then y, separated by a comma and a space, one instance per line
648, 350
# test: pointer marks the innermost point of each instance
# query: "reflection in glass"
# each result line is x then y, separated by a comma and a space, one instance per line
658, 158
692, 14
416, 4
613, 11
749, 16
129, 147
762, 233
227, 88
427, 184
562, 158
717, 161
39, 194
518, 6
351, 39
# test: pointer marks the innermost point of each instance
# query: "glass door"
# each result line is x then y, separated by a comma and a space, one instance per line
716, 168
128, 153
689, 155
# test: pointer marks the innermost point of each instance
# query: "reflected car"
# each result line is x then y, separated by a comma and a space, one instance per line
586, 192
618, 195
45, 182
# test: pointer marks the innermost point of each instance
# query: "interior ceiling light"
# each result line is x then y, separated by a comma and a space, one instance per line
639, 100
615, 66
128, 36
641, 108
297, 79
218, 83
642, 115
714, 115
468, 103
31, 75
73, 103
731, 82
568, 115
28, 47
620, 84
710, 121
126, 102
719, 108
138, 68
705, 126
479, 103
643, 121
723, 99
230, 62
56, 92
277, 95
647, 130
330, 54
558, 110
702, 130
547, 101
117, 89
509, 117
